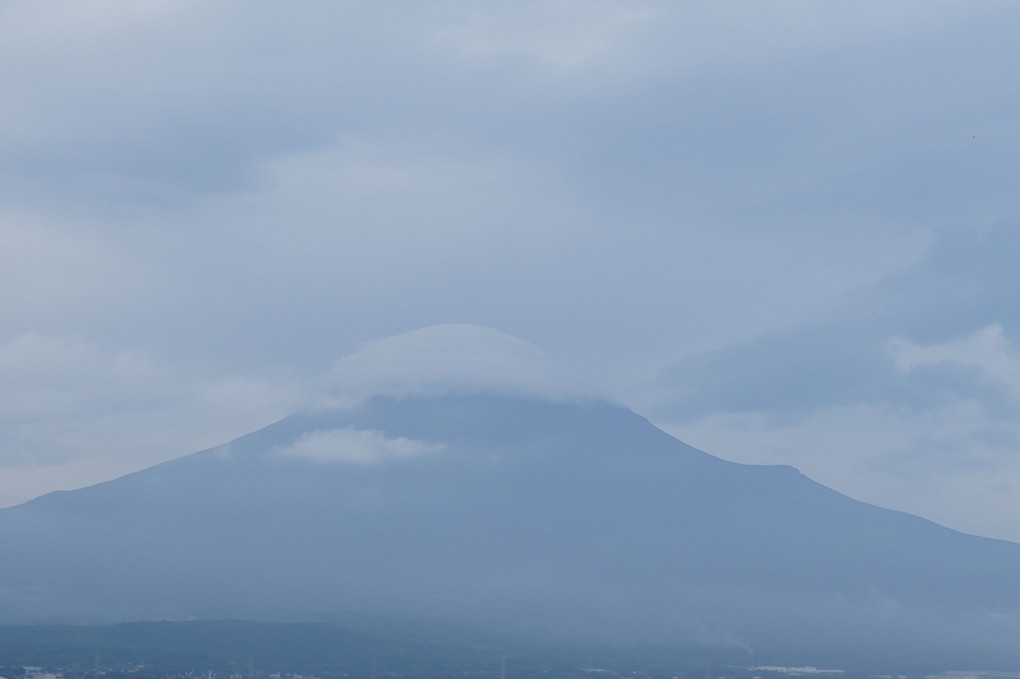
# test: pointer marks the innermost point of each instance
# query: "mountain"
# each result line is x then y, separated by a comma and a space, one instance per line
472, 485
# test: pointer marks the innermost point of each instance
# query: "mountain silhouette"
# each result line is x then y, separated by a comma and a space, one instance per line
534, 506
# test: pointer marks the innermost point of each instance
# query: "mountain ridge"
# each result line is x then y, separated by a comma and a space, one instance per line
563, 518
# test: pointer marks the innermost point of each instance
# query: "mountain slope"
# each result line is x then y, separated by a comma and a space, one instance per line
570, 517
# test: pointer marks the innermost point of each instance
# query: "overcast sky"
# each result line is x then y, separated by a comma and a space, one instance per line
787, 232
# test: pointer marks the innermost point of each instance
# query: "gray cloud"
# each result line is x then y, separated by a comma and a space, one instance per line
927, 357
74, 413
965, 283
767, 200
929, 457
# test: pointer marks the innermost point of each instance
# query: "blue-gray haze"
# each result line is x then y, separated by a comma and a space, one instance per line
786, 232
563, 520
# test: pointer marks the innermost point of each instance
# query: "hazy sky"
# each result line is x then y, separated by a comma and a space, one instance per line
786, 231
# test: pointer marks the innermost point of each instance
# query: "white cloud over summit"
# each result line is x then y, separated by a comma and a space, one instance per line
452, 358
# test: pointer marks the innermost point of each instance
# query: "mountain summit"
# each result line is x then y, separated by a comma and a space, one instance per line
460, 475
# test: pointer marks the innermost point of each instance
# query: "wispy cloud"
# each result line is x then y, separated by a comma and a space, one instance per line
361, 447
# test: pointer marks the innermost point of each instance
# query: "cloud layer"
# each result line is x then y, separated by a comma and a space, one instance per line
927, 358
72, 413
452, 358
776, 229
